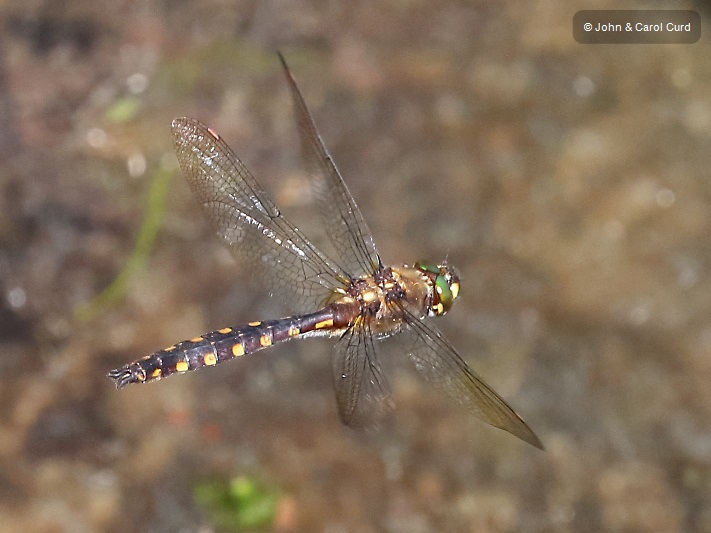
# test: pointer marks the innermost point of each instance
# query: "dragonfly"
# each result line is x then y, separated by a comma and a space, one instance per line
350, 296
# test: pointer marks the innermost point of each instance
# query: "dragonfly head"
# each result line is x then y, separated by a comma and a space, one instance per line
445, 283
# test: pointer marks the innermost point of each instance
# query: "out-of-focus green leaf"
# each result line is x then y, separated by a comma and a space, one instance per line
155, 210
238, 504
123, 110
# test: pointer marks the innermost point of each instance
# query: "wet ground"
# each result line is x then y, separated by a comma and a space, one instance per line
568, 183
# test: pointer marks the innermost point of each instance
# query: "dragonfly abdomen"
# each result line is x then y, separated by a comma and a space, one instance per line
223, 345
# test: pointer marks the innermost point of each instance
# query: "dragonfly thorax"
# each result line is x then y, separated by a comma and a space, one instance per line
425, 288
375, 293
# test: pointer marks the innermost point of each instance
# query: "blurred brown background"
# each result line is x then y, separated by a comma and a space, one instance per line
568, 183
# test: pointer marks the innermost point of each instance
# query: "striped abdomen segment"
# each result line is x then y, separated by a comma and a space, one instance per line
222, 345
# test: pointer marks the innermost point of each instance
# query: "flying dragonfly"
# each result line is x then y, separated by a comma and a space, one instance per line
350, 296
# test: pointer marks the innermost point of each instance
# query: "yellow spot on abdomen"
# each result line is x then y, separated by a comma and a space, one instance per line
265, 340
254, 324
324, 324
156, 373
169, 348
210, 359
182, 366
237, 350
197, 339
293, 331
225, 331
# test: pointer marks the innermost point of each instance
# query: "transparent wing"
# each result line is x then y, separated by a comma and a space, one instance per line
343, 221
249, 223
362, 390
440, 363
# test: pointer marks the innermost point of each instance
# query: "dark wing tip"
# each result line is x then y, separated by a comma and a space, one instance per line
281, 58
514, 424
527, 435
287, 71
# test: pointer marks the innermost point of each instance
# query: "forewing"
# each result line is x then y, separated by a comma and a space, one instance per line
362, 390
247, 220
342, 220
440, 363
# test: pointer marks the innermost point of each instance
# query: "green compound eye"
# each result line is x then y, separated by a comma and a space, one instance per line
426, 266
444, 291
446, 285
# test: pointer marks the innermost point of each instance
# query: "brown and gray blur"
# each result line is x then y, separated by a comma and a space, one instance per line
569, 184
